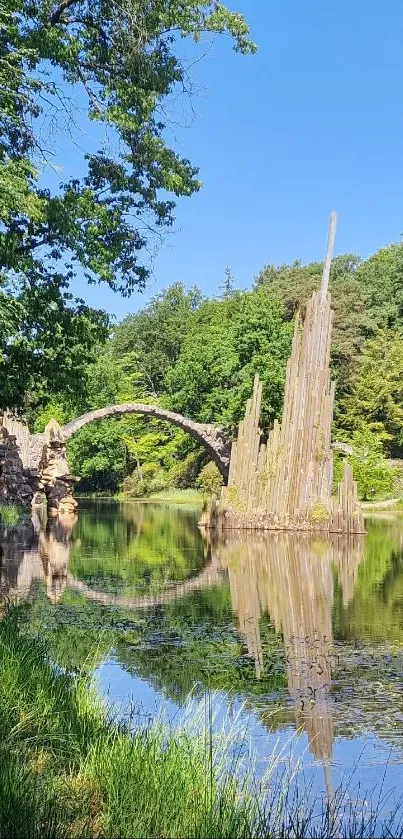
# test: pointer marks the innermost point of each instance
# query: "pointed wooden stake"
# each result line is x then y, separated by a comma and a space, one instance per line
329, 254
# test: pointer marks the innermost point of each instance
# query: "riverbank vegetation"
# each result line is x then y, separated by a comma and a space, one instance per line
66, 769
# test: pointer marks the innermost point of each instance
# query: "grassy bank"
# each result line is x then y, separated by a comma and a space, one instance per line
10, 515
177, 496
166, 496
68, 771
394, 505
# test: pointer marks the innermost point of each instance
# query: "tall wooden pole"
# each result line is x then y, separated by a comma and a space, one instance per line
329, 254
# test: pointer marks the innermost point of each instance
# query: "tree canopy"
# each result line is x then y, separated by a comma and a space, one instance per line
120, 61
227, 342
375, 397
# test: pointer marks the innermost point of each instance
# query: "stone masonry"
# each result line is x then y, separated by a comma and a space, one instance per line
15, 486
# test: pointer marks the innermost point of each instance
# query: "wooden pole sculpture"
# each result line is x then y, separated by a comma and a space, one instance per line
286, 484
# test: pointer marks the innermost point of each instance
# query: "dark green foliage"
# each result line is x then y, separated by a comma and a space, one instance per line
229, 341
199, 357
99, 456
48, 346
156, 333
375, 397
293, 284
210, 480
119, 59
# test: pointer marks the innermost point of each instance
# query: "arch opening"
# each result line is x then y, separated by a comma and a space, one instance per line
208, 435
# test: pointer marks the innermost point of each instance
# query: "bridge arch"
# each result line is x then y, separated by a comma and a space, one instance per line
211, 575
211, 436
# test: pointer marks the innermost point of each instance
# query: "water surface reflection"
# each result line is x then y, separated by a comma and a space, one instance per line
38, 552
293, 632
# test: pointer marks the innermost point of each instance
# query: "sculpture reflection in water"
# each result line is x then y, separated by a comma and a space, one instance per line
291, 577
40, 551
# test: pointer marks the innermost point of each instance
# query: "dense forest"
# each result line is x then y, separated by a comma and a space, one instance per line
198, 356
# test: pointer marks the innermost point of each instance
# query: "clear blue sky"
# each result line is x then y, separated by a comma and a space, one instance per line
313, 122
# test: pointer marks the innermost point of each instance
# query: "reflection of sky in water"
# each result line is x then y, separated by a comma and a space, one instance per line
355, 764
336, 606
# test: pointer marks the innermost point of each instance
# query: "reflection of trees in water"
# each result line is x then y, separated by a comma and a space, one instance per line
40, 551
209, 576
290, 576
121, 547
375, 613
186, 634
129, 548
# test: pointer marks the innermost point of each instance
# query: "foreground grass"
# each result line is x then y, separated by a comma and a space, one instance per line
10, 515
66, 771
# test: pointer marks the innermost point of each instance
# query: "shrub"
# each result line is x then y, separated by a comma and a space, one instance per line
210, 480
145, 480
374, 476
183, 473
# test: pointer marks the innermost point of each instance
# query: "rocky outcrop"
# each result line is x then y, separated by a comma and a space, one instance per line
55, 477
15, 484
34, 469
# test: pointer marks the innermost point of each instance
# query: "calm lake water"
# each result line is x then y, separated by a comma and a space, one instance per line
298, 639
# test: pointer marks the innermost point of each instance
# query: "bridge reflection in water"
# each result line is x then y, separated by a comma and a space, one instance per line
290, 577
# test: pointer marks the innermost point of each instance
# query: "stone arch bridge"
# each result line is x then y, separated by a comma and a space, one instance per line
36, 464
212, 437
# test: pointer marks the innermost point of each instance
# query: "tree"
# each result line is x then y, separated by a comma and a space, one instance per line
210, 481
203, 358
121, 56
46, 343
381, 278
97, 454
371, 471
376, 390
228, 341
228, 285
353, 320
157, 331
17, 92
130, 449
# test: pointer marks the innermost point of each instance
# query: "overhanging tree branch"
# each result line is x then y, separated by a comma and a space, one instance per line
57, 14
